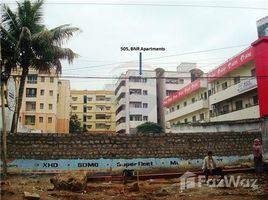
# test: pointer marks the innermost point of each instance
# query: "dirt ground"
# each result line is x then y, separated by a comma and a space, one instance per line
154, 189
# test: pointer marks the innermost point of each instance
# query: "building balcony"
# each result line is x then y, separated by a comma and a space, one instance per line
233, 90
122, 89
121, 126
246, 113
122, 113
122, 101
198, 105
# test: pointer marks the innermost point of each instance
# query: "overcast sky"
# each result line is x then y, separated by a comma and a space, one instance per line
179, 29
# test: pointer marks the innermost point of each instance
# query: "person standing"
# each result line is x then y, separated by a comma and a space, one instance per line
257, 153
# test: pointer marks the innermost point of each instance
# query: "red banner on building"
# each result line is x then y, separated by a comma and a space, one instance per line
182, 93
231, 64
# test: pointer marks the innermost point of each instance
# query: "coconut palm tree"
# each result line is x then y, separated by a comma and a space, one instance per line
29, 44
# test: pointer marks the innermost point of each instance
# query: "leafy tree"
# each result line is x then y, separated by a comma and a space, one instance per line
149, 127
27, 43
75, 125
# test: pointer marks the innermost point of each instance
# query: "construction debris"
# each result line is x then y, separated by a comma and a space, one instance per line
71, 182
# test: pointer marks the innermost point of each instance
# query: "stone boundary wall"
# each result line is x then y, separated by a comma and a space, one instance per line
84, 146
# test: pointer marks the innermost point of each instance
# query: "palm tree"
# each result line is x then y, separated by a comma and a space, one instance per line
29, 44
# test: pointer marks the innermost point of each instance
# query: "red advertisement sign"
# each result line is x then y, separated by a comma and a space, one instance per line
182, 93
231, 64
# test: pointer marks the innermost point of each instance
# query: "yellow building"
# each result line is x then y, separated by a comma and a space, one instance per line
44, 104
95, 110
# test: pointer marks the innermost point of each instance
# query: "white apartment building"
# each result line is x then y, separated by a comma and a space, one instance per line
136, 100
169, 82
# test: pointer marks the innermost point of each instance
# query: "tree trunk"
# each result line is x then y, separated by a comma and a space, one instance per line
25, 71
4, 133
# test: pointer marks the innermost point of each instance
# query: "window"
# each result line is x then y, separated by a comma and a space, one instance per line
108, 108
239, 105
137, 79
30, 106
49, 120
85, 99
32, 79
42, 79
194, 119
100, 107
178, 107
135, 104
29, 120
185, 120
145, 118
181, 81
41, 106
84, 118
74, 98
100, 98
85, 109
89, 108
193, 100
172, 81
253, 72
135, 91
74, 107
170, 92
224, 85
100, 116
42, 92
89, 126
50, 92
51, 80
41, 119
202, 116
225, 109
135, 118
100, 125
89, 99
205, 95
237, 80
31, 92
145, 92
89, 117
145, 105
209, 93
185, 103
171, 109
50, 106
107, 99
255, 100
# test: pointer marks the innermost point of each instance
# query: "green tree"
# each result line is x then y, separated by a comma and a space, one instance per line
75, 125
27, 43
149, 127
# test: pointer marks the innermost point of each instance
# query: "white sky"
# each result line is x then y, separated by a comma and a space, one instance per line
106, 28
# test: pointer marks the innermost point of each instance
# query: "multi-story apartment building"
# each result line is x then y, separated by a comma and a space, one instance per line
43, 93
169, 82
95, 110
235, 90
136, 99
189, 104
